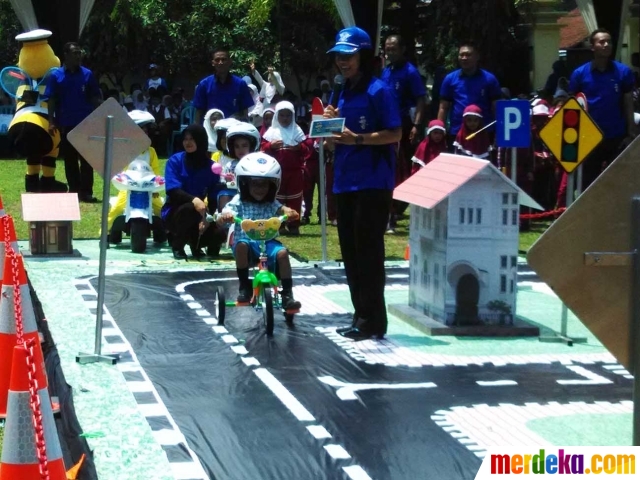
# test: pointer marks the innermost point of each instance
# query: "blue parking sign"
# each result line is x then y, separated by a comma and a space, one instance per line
513, 123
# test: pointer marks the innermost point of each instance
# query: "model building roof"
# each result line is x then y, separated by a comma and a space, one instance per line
50, 207
446, 174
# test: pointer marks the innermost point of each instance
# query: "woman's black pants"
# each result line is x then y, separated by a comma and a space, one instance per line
362, 222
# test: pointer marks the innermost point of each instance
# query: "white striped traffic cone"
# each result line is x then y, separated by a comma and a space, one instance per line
7, 233
24, 449
14, 265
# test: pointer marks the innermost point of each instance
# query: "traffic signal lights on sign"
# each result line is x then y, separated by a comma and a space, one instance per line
570, 129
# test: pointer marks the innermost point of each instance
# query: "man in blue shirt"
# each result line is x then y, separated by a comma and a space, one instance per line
222, 90
608, 86
405, 82
469, 85
73, 93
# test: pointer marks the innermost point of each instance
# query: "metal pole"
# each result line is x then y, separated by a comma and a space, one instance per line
565, 311
97, 355
106, 191
514, 163
634, 345
578, 188
322, 201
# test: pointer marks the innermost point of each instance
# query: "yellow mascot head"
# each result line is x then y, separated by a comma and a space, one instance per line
36, 55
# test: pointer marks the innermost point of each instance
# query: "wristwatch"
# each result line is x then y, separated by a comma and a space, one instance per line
359, 139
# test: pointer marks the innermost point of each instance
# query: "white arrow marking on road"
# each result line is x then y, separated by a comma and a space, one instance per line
592, 378
347, 391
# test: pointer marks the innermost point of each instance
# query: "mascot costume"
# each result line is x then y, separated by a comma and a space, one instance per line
29, 129
48, 24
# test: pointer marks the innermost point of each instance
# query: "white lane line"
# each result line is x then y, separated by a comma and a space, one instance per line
318, 432
240, 349
497, 383
284, 395
592, 378
337, 452
250, 361
347, 391
194, 305
356, 472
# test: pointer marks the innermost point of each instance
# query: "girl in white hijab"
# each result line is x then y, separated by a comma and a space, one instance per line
139, 102
284, 140
210, 120
284, 128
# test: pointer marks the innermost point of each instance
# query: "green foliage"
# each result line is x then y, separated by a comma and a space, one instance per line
495, 25
126, 35
9, 28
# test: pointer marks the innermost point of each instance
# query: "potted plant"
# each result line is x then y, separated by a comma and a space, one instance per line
503, 309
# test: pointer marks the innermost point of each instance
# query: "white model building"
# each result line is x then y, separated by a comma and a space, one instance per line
463, 241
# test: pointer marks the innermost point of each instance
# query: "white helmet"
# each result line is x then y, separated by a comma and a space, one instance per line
258, 165
221, 128
141, 117
246, 130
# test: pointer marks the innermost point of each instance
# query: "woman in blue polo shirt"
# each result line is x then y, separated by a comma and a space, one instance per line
364, 177
189, 180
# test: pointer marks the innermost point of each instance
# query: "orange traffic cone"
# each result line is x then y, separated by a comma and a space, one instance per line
2, 214
14, 266
26, 447
407, 252
7, 233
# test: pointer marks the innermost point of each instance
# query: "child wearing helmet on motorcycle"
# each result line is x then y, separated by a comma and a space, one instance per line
258, 176
144, 120
241, 139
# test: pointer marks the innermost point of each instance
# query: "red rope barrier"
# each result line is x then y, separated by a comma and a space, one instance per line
536, 216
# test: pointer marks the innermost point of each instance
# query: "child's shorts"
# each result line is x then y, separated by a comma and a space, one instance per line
273, 247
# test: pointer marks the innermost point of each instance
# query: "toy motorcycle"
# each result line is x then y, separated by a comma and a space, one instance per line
138, 220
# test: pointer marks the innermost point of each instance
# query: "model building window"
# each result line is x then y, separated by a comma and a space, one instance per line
503, 284
504, 261
462, 216
514, 217
505, 216
478, 216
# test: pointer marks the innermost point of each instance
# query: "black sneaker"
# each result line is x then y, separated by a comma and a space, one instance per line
288, 302
305, 221
245, 293
179, 254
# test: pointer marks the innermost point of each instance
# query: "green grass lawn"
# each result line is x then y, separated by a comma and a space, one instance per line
307, 246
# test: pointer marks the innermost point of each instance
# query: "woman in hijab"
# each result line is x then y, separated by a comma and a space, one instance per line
139, 102
255, 113
267, 120
285, 141
209, 123
189, 180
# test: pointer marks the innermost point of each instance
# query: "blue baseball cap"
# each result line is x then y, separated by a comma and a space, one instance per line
351, 40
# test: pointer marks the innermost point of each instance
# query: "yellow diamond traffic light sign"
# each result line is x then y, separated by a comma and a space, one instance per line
571, 135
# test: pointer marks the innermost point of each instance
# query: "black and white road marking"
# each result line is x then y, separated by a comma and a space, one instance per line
299, 411
481, 427
184, 463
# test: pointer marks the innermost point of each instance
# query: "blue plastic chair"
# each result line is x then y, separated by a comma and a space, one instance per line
187, 117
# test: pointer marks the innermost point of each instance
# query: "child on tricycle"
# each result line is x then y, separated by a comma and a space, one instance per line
258, 178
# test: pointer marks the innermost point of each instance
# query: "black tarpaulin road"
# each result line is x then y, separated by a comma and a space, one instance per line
240, 430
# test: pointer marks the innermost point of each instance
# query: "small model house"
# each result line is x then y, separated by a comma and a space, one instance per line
50, 216
463, 241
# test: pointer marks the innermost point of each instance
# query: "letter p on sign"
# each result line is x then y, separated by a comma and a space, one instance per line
513, 123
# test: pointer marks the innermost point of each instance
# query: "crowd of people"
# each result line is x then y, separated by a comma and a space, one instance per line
392, 129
